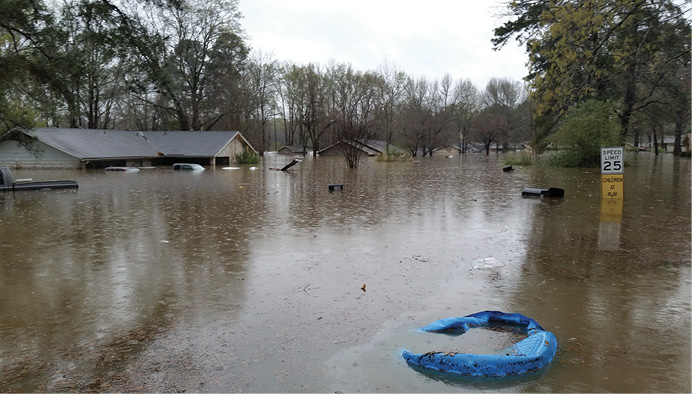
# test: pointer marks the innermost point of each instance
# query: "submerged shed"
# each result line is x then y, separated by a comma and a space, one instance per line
292, 150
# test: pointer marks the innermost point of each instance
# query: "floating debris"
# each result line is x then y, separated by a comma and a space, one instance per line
531, 353
486, 264
549, 192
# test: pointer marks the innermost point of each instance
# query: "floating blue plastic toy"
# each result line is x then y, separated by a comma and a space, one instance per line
529, 354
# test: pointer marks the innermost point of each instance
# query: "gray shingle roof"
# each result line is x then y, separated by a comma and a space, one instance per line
190, 143
110, 144
381, 146
360, 145
295, 148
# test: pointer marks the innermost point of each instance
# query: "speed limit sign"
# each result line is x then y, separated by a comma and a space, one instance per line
612, 161
612, 178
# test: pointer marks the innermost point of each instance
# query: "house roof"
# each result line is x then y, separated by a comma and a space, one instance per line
381, 146
294, 148
110, 144
453, 145
191, 143
364, 147
370, 147
359, 145
668, 139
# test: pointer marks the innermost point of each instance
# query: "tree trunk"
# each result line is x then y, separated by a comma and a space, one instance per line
183, 120
677, 147
629, 100
263, 144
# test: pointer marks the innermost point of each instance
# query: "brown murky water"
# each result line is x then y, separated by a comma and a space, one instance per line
251, 280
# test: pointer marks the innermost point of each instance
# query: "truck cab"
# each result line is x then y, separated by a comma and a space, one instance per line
187, 167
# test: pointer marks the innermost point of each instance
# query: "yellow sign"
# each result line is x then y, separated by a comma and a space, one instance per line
610, 225
612, 186
611, 209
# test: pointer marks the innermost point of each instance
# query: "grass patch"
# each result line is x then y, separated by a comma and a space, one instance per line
518, 159
383, 157
568, 159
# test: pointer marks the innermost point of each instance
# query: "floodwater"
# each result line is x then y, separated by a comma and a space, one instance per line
265, 281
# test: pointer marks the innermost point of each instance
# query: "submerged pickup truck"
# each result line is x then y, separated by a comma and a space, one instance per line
7, 184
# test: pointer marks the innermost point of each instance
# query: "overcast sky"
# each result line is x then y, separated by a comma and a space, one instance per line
422, 38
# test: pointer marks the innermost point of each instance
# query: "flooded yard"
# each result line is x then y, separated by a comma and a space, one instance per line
265, 281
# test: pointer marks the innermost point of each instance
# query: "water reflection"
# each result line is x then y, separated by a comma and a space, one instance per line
610, 224
241, 280
607, 288
470, 383
118, 256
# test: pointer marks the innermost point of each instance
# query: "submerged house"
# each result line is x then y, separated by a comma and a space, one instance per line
448, 149
293, 150
90, 148
369, 147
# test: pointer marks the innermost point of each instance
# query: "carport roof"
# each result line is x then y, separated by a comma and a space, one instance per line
90, 144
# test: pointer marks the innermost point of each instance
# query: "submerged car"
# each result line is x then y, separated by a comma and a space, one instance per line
187, 167
122, 169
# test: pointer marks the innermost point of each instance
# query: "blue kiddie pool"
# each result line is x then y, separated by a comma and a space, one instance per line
531, 353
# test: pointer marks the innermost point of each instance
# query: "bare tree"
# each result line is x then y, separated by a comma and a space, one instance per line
227, 96
427, 111
417, 114
390, 94
290, 104
260, 86
442, 105
489, 127
315, 115
502, 98
467, 101
179, 66
353, 94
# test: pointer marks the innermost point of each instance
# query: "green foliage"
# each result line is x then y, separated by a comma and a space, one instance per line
248, 157
526, 24
629, 52
28, 142
14, 113
586, 128
519, 159
388, 158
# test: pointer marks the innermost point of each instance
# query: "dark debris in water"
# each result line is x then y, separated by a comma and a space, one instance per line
490, 338
15, 372
94, 367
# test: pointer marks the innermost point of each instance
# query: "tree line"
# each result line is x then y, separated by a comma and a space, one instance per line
624, 64
186, 65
